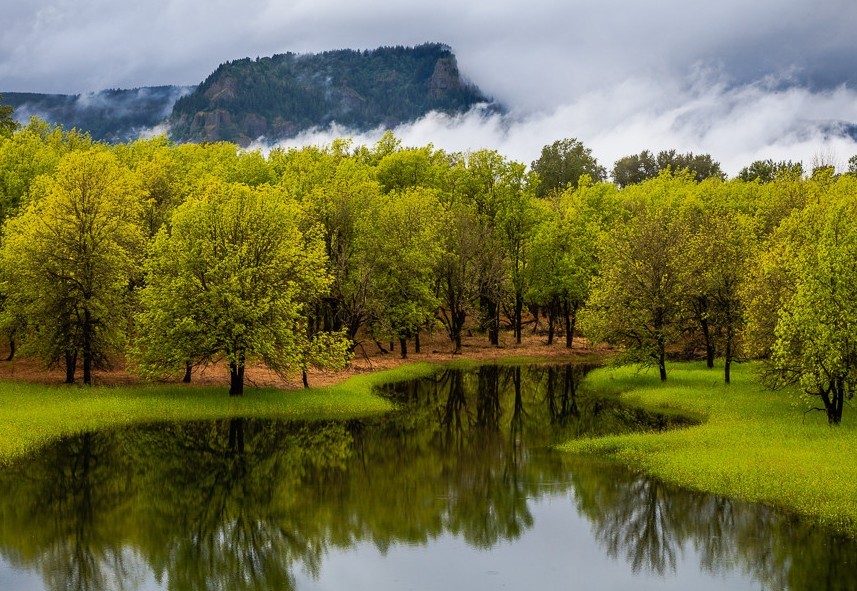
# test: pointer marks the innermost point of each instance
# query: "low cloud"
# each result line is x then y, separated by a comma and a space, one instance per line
735, 124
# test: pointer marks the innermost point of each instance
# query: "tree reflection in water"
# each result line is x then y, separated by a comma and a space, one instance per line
240, 504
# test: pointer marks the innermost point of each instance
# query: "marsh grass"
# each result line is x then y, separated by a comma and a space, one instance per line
752, 443
33, 414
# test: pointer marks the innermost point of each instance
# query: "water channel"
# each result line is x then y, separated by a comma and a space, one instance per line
457, 490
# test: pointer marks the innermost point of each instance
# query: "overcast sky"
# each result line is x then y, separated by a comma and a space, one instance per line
740, 79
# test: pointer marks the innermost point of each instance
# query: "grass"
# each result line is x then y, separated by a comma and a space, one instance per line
33, 414
753, 443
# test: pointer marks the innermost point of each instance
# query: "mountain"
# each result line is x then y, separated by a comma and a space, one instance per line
278, 97
109, 115
272, 98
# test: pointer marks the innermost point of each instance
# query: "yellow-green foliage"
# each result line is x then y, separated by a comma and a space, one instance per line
754, 444
33, 414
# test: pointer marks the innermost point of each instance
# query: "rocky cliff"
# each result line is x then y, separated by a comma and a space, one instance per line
277, 97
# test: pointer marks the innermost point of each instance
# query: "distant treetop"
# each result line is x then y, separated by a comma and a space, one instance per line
636, 168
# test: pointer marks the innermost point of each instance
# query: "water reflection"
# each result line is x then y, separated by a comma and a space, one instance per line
246, 504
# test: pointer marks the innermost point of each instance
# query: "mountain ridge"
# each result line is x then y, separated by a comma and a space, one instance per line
273, 98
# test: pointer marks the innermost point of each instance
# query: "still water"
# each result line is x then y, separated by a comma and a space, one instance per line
458, 490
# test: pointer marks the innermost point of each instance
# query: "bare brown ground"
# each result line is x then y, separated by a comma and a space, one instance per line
435, 348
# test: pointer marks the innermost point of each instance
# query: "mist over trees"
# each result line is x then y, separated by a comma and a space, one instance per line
180, 256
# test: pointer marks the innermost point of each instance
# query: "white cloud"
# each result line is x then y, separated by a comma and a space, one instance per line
736, 125
620, 75
532, 53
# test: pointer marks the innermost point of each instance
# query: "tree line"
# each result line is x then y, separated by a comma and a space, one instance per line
177, 256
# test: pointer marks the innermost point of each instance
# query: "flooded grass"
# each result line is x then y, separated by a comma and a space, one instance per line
753, 443
34, 414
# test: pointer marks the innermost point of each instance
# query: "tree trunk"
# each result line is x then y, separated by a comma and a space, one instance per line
497, 324
70, 366
700, 306
236, 376
570, 323
87, 347
569, 394
457, 326
573, 327
709, 344
553, 412
488, 400
534, 310
551, 314
304, 378
492, 319
188, 366
662, 363
11, 349
517, 421
417, 342
519, 309
660, 355
834, 400
403, 345
727, 364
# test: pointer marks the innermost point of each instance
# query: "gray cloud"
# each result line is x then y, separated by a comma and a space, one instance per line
532, 52
735, 78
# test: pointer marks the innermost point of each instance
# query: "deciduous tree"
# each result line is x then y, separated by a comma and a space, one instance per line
69, 259
562, 163
409, 247
231, 278
809, 284
636, 301
714, 263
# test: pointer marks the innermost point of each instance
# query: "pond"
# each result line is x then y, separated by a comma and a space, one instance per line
457, 490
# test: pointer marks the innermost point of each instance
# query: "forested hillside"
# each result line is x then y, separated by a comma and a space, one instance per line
272, 98
109, 115
279, 96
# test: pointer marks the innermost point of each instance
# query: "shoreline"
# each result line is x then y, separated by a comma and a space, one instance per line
367, 360
37, 407
753, 444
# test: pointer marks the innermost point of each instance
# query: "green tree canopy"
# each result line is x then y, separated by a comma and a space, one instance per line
408, 243
636, 301
562, 163
231, 279
69, 259
634, 169
713, 266
637, 168
766, 171
31, 151
803, 307
564, 253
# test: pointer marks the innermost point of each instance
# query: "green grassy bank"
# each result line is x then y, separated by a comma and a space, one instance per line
33, 414
753, 444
